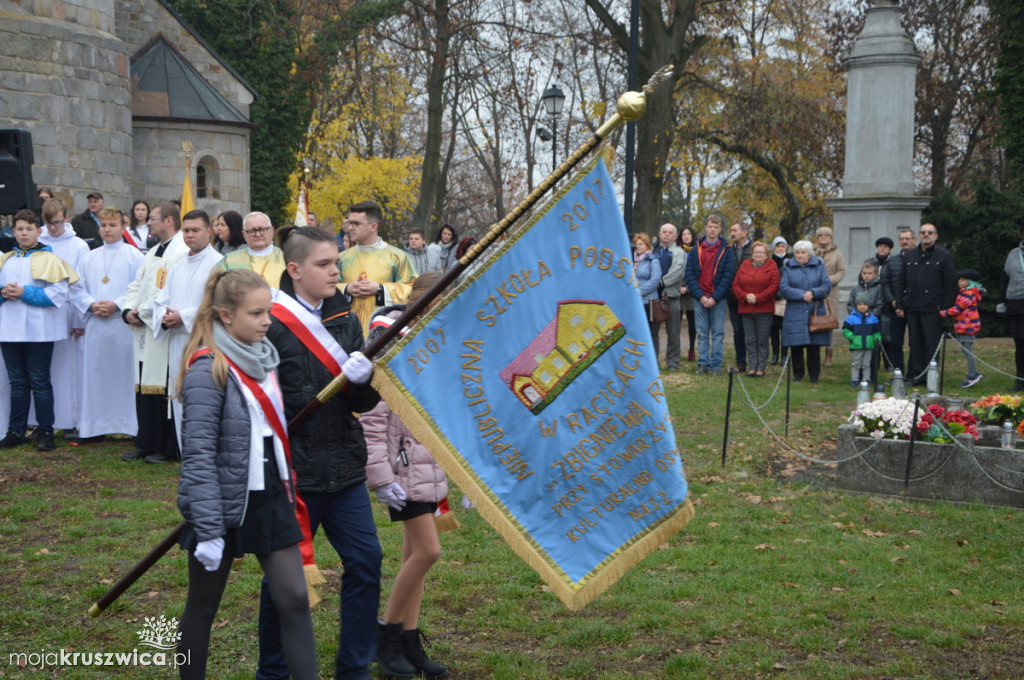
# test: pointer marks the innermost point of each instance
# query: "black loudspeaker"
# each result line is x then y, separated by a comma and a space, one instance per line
17, 190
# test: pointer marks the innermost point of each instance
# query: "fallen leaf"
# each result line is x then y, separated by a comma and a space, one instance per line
789, 584
714, 524
840, 525
913, 532
961, 542
954, 591
545, 589
873, 534
764, 546
779, 667
43, 551
801, 540
839, 589
663, 546
997, 603
899, 559
153, 593
752, 499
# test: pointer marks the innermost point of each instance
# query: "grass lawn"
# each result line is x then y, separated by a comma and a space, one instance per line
780, 575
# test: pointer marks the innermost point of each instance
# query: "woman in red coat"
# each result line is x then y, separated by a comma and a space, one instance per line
754, 286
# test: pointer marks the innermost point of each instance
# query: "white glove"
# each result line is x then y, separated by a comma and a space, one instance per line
357, 368
392, 494
1001, 308
209, 553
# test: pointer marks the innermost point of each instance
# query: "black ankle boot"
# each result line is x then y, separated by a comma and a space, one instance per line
413, 644
391, 655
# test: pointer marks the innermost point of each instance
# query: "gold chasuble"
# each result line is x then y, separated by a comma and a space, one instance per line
382, 263
269, 267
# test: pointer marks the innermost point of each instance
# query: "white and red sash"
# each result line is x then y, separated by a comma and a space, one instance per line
273, 410
130, 240
310, 331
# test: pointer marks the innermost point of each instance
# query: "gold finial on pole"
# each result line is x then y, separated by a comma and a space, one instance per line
187, 148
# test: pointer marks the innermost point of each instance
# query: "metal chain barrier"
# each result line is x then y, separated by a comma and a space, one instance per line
757, 411
923, 373
982, 361
778, 383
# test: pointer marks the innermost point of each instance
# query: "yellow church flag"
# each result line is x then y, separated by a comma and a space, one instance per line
188, 195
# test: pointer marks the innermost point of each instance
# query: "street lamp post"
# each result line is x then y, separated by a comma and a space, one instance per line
553, 99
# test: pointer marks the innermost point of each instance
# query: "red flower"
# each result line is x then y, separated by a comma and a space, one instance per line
936, 410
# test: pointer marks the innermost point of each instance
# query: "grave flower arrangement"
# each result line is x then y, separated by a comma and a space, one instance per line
997, 408
893, 419
941, 425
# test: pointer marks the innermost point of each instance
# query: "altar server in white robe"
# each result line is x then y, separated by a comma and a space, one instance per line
175, 307
68, 366
156, 440
108, 389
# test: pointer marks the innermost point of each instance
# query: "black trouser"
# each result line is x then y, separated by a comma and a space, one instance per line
894, 345
738, 338
925, 330
776, 339
813, 361
1018, 356
156, 426
691, 328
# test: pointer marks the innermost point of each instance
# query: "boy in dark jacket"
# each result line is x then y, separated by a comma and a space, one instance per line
328, 451
967, 320
862, 330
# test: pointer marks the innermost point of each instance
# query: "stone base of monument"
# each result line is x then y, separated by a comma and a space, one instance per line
968, 471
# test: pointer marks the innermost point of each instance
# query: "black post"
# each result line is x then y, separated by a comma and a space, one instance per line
728, 407
554, 144
910, 448
631, 78
789, 384
942, 363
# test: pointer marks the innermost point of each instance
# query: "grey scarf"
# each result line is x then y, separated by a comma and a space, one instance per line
253, 360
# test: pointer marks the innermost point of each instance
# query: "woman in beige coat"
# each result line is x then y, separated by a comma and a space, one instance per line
835, 267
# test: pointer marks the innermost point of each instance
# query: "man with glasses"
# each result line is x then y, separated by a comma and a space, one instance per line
156, 439
929, 284
261, 255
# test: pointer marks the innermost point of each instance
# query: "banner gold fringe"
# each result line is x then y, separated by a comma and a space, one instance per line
446, 522
575, 597
314, 577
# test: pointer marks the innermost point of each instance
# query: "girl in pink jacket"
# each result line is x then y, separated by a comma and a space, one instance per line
402, 473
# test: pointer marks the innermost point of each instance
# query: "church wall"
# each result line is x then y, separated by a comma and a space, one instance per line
160, 162
64, 77
139, 21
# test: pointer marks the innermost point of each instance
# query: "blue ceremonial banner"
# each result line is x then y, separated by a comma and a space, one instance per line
536, 387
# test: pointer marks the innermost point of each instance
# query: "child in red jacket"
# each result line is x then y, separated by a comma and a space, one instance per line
967, 321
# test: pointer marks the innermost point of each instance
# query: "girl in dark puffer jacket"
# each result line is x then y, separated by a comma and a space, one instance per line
236, 491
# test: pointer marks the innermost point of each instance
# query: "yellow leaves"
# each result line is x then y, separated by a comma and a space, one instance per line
392, 182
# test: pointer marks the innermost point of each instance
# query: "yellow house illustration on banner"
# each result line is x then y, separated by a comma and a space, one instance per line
581, 331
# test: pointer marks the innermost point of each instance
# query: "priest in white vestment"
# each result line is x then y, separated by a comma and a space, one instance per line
68, 365
108, 389
175, 307
155, 439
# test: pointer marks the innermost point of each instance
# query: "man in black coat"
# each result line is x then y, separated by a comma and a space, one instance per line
893, 277
87, 223
929, 284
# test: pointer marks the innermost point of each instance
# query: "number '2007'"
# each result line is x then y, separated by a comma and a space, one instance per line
421, 357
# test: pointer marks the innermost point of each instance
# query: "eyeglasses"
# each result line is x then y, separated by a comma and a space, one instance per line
257, 231
927, 232
154, 218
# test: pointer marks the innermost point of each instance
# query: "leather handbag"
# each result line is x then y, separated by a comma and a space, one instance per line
822, 322
657, 310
